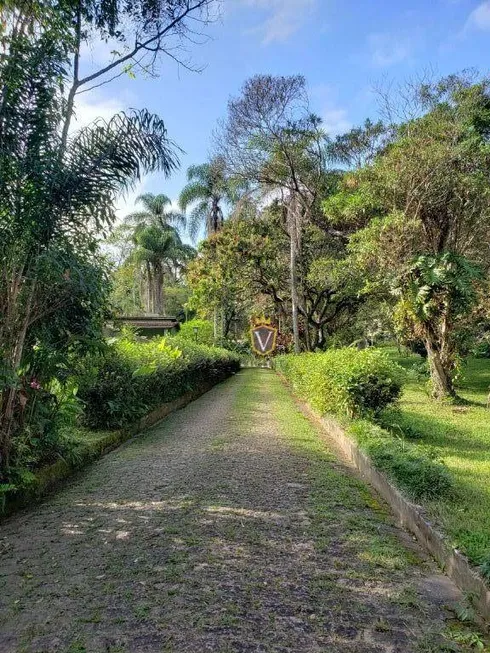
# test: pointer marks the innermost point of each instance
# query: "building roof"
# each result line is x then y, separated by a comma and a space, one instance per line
143, 322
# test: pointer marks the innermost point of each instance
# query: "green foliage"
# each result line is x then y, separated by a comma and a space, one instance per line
133, 378
208, 189
344, 381
57, 194
436, 296
157, 212
176, 298
413, 470
482, 349
44, 414
126, 297
152, 254
363, 383
203, 336
349, 207
418, 211
76, 286
460, 436
440, 286
243, 270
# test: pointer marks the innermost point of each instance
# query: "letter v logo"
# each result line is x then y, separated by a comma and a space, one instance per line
261, 343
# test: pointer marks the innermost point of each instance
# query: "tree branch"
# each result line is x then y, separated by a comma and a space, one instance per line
144, 45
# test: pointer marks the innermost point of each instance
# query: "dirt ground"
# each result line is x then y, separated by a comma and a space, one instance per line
228, 527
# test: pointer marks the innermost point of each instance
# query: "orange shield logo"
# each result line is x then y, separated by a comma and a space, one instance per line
263, 339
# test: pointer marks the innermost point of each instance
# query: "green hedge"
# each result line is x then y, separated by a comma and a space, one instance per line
132, 378
360, 384
344, 381
199, 331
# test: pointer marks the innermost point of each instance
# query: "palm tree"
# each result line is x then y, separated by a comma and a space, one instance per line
159, 252
70, 194
157, 211
208, 188
156, 246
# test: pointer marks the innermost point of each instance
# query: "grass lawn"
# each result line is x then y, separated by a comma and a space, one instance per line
460, 436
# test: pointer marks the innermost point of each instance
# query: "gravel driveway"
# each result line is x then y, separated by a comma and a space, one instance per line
228, 527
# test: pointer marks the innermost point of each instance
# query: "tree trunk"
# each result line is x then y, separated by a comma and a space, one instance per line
154, 295
294, 300
294, 278
149, 289
215, 325
215, 225
307, 335
318, 337
442, 384
7, 405
158, 282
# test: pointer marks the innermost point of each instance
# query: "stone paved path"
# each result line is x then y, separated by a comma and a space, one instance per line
227, 528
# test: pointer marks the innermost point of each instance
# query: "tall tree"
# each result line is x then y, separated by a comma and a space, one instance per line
58, 189
271, 140
244, 268
208, 188
160, 253
155, 246
157, 211
421, 208
141, 33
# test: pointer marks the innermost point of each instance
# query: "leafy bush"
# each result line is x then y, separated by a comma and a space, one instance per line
132, 378
485, 567
362, 383
414, 471
420, 370
344, 381
203, 336
482, 348
393, 422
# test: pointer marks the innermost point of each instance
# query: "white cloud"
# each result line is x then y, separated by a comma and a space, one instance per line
479, 18
97, 52
127, 203
335, 121
389, 49
93, 105
284, 17
335, 118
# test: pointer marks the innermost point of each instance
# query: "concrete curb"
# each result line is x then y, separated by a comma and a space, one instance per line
51, 477
453, 563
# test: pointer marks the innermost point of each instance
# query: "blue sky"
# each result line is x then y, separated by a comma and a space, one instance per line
343, 47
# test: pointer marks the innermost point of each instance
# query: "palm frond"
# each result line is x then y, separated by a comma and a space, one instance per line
199, 173
191, 193
154, 204
176, 217
107, 158
197, 218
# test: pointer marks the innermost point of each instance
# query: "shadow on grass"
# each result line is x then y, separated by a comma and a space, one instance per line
171, 544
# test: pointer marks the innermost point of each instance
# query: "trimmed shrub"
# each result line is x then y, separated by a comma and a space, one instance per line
344, 381
133, 378
354, 383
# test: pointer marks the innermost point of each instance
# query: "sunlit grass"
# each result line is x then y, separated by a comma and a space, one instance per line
460, 436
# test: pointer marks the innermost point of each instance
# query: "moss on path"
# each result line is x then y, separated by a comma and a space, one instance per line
227, 528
